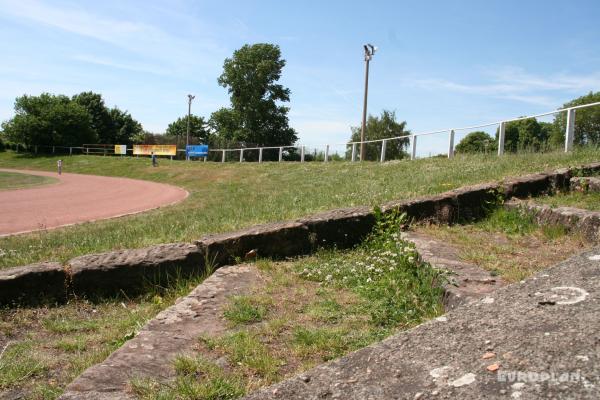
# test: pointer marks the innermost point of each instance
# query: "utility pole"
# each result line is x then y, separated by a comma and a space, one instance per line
187, 139
369, 52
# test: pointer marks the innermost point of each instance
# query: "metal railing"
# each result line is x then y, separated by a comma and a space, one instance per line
569, 138
355, 146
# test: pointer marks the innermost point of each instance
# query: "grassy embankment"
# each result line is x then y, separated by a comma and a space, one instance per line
12, 180
225, 197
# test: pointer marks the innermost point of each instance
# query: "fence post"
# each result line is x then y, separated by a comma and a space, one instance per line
501, 133
383, 146
326, 153
35, 149
260, 154
451, 144
413, 152
280, 154
302, 154
53, 148
17, 147
70, 151
353, 152
223, 157
241, 155
570, 131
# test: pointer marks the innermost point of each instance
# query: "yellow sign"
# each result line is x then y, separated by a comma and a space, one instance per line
120, 149
157, 149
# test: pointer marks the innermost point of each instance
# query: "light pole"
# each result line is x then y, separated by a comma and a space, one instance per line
369, 52
187, 139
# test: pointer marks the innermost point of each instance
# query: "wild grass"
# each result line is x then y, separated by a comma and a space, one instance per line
585, 200
509, 243
224, 197
49, 346
12, 180
309, 311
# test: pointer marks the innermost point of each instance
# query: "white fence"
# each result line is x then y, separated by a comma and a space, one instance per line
353, 147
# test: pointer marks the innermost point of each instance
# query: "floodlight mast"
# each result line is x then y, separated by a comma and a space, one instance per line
369, 52
187, 139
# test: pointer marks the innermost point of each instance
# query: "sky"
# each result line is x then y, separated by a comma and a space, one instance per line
440, 64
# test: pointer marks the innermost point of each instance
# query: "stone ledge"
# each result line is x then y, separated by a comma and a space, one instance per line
33, 283
575, 219
585, 184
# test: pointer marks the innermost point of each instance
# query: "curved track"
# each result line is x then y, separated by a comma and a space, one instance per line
79, 198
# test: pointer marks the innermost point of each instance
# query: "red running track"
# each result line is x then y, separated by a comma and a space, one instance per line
79, 198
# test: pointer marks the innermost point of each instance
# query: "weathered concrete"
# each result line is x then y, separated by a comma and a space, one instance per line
548, 324
585, 184
575, 219
173, 332
467, 282
276, 240
132, 270
32, 283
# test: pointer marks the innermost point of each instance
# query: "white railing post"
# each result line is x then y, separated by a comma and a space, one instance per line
501, 132
326, 153
241, 155
280, 154
353, 152
260, 154
53, 148
223, 157
70, 151
451, 144
383, 146
302, 154
570, 130
413, 152
35, 149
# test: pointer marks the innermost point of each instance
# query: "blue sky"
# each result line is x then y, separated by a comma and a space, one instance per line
441, 64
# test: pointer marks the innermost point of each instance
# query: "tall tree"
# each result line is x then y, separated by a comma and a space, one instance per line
476, 142
101, 121
525, 134
587, 122
125, 129
49, 120
256, 115
198, 128
383, 127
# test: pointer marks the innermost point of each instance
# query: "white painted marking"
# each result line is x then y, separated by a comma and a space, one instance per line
487, 300
441, 319
516, 395
466, 379
518, 386
439, 372
595, 257
583, 358
573, 295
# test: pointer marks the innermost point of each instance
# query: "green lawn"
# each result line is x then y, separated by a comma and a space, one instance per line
225, 197
13, 180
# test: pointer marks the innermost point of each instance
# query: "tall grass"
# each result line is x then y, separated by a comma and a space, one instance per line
229, 196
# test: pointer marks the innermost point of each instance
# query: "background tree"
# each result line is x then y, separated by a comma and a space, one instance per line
477, 142
256, 115
587, 122
49, 120
101, 120
125, 128
198, 129
526, 134
382, 127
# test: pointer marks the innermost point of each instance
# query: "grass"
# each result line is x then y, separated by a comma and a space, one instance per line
509, 243
224, 197
586, 200
13, 180
47, 347
308, 311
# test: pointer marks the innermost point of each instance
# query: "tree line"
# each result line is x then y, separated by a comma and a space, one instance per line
256, 117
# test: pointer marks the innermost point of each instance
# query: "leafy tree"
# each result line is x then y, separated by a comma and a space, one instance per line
382, 127
198, 129
49, 120
476, 142
525, 134
256, 115
125, 128
587, 122
101, 120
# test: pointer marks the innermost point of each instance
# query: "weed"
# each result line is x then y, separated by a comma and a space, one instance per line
243, 310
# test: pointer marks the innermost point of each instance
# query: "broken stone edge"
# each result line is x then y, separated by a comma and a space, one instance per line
130, 271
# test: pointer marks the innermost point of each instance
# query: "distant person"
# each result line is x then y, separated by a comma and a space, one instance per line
59, 165
154, 160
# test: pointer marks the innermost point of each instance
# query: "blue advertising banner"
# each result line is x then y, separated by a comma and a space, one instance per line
200, 150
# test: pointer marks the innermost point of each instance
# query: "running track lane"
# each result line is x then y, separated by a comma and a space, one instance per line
79, 198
